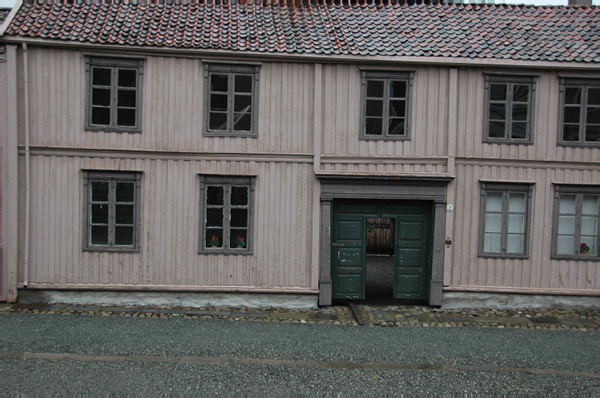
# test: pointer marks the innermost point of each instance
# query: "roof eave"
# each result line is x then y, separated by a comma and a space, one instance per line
315, 58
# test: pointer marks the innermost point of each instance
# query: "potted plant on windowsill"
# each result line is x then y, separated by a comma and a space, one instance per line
214, 241
584, 248
240, 242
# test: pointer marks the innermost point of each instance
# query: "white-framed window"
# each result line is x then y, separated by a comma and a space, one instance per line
231, 100
226, 214
111, 212
576, 222
504, 225
580, 112
114, 94
386, 105
509, 104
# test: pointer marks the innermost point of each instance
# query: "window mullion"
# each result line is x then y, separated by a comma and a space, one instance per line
583, 114
386, 107
113, 96
230, 95
112, 189
504, 233
509, 111
227, 216
578, 215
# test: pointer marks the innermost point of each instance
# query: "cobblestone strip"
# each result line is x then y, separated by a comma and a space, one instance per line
388, 316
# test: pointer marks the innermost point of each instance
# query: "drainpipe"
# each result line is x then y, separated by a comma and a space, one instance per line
27, 166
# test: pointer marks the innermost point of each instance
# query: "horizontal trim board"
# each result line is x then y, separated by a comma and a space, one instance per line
337, 159
522, 290
532, 163
172, 288
350, 175
304, 57
166, 155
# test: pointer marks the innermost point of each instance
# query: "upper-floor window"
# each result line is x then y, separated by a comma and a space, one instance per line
111, 217
114, 94
226, 214
509, 109
580, 112
504, 220
231, 98
386, 105
576, 222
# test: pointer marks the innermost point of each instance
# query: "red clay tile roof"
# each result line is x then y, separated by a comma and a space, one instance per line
564, 34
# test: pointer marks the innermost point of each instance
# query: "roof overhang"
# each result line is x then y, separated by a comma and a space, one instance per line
309, 58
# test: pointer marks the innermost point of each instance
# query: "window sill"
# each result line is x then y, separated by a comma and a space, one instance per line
583, 257
506, 142
225, 252
504, 256
227, 134
111, 250
106, 129
383, 138
580, 144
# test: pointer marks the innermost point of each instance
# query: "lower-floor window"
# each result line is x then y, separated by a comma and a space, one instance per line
227, 214
576, 226
504, 220
111, 211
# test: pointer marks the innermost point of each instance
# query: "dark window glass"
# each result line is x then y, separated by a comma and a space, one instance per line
214, 237
592, 134
219, 83
239, 196
519, 112
218, 102
123, 235
127, 78
214, 217
593, 96
238, 238
520, 93
127, 98
497, 111
214, 195
124, 214
126, 117
242, 122
218, 121
243, 84
125, 192
100, 214
101, 77
572, 114
497, 129
101, 97
375, 108
243, 103
375, 88
570, 133
573, 95
374, 126
101, 116
397, 108
498, 92
99, 191
99, 235
593, 115
398, 89
239, 217
519, 130
396, 126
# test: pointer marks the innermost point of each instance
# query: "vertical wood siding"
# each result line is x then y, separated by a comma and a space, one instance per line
172, 107
170, 226
539, 270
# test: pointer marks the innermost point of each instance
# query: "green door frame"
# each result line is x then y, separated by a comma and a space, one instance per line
393, 188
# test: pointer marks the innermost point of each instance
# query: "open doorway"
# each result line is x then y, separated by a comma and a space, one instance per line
380, 259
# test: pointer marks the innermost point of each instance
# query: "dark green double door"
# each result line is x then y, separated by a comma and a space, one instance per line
412, 247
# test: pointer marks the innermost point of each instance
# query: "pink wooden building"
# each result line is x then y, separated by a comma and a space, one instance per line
231, 153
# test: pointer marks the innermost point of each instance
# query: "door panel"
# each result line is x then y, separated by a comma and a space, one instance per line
348, 256
412, 256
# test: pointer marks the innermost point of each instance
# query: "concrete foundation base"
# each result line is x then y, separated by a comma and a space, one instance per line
452, 300
169, 299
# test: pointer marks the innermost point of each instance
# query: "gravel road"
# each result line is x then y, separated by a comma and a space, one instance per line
67, 354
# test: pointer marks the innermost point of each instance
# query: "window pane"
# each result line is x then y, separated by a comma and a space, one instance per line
590, 205
127, 98
100, 214
217, 121
493, 202
519, 112
99, 235
219, 83
238, 238
516, 203
127, 78
375, 108
239, 217
520, 93
519, 130
243, 84
592, 134
498, 92
126, 117
99, 191
125, 192
516, 223
565, 245
101, 76
593, 96
218, 102
214, 237
591, 242
101, 116
593, 115
396, 126
589, 225
573, 95
239, 196
101, 96
566, 225
214, 195
566, 204
242, 122
375, 88
515, 243
242, 103
397, 108
397, 89
491, 243
496, 130
571, 133
373, 126
123, 236
214, 217
497, 111
493, 222
124, 214
571, 114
